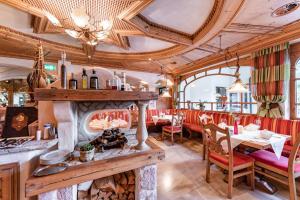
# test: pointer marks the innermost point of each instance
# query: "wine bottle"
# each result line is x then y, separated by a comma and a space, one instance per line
73, 83
84, 79
94, 81
63, 72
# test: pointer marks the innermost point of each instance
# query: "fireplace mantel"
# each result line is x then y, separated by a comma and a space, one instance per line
92, 95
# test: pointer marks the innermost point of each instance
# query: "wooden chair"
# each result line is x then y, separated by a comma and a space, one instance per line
175, 128
287, 169
203, 121
235, 163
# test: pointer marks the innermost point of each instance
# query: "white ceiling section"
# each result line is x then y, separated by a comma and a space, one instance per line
184, 15
258, 12
228, 39
21, 21
196, 54
137, 44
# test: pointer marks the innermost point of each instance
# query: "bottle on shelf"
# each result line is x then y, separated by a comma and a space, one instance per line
84, 79
115, 82
94, 81
63, 72
73, 83
123, 81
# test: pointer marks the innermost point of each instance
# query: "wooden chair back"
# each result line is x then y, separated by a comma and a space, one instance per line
214, 143
177, 119
293, 159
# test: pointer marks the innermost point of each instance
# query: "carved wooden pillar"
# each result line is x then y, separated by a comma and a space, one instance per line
142, 133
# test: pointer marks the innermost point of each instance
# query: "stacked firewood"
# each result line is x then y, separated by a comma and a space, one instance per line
117, 187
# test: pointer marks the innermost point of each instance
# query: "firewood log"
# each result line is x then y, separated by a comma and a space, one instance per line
106, 184
119, 189
131, 196
123, 179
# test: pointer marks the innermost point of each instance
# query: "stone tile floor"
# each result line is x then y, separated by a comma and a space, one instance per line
182, 177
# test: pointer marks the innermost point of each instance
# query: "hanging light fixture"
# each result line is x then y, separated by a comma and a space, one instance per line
166, 93
87, 29
237, 86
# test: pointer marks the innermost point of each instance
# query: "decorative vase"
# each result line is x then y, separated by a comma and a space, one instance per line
86, 156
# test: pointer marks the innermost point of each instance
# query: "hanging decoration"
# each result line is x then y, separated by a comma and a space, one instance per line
238, 85
270, 79
38, 77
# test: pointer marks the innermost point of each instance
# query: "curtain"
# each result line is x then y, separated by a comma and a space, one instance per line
270, 78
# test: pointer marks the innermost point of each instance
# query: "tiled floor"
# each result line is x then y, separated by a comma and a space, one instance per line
181, 176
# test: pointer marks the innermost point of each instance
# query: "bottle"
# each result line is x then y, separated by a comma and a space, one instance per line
84, 79
63, 72
94, 81
73, 83
115, 82
123, 81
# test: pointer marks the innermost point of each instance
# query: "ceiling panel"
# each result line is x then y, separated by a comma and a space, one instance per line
196, 54
182, 15
137, 44
258, 12
229, 39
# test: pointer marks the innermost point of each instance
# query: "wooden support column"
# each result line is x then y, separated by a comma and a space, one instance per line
142, 133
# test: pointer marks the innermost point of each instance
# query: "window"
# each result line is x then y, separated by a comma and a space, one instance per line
297, 90
209, 92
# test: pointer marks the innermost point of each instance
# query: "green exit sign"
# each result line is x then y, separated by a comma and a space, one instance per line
50, 67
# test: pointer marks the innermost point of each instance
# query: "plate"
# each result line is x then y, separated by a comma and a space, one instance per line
50, 169
54, 157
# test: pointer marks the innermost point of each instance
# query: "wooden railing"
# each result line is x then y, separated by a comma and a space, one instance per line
217, 106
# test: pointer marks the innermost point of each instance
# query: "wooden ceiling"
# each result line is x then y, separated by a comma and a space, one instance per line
148, 34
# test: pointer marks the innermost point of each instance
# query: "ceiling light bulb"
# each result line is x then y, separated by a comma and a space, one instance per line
92, 42
80, 17
52, 18
72, 33
101, 35
166, 94
106, 25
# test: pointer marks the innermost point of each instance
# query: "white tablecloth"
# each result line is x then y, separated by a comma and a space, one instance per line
156, 118
276, 141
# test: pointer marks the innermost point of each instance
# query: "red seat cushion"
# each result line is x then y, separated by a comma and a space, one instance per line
238, 158
195, 128
169, 128
269, 158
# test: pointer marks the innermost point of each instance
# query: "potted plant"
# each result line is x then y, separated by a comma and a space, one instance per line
201, 105
87, 152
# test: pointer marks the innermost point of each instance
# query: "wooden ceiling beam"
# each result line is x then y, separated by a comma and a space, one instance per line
24, 7
159, 33
89, 50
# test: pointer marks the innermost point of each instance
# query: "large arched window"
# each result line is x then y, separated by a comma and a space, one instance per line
210, 89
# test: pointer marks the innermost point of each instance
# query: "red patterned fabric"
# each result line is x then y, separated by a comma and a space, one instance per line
247, 119
288, 127
169, 129
268, 123
269, 158
238, 159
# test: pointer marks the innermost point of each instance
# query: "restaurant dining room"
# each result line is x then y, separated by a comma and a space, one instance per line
149, 99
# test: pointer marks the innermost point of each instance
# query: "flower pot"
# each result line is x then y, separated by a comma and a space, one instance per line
87, 155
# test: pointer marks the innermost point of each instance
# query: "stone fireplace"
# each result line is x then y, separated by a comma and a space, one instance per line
82, 115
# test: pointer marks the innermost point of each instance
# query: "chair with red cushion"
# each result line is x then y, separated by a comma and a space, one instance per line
204, 119
236, 164
287, 168
175, 128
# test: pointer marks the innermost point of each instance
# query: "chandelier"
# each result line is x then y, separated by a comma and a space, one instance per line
87, 29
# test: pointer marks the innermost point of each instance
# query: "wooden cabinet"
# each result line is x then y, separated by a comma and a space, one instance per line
9, 181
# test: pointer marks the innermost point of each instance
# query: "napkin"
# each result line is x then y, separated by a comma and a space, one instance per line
222, 125
252, 127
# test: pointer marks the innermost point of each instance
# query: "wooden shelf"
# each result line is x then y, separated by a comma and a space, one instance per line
92, 95
95, 169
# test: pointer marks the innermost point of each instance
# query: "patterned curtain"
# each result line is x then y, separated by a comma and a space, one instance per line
270, 79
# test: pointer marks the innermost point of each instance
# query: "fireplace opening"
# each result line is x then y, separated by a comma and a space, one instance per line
96, 122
